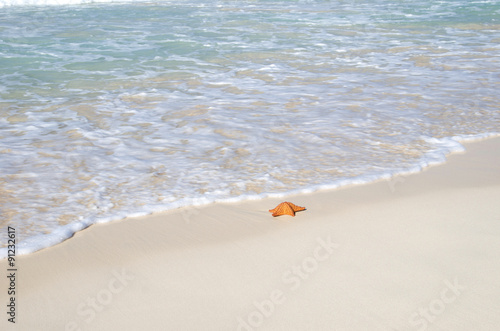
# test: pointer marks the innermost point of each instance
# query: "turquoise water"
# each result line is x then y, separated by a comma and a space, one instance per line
116, 109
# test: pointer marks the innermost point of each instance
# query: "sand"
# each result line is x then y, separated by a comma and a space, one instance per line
417, 252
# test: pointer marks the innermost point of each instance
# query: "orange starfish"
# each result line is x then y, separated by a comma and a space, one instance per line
286, 208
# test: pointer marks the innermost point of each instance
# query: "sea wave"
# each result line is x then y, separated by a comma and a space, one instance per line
438, 155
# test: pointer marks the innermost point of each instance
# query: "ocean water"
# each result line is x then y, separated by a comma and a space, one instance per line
112, 109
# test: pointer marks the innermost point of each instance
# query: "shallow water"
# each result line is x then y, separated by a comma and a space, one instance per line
116, 109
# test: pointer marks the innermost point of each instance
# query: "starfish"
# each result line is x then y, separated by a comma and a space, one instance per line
286, 208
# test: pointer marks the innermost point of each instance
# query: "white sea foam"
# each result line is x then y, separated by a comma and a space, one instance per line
443, 147
9, 3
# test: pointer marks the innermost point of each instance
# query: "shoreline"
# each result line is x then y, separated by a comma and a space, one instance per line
67, 232
416, 251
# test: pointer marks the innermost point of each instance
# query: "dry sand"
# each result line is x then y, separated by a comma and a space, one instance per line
417, 252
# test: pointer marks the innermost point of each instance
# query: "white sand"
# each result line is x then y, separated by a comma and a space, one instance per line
420, 252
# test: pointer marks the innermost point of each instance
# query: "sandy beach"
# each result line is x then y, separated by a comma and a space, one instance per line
416, 252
